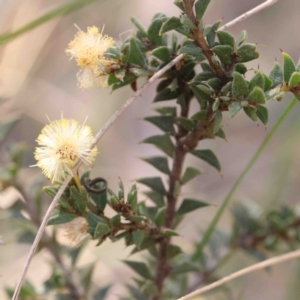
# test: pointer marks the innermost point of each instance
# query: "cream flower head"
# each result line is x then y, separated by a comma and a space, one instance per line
75, 231
89, 48
61, 144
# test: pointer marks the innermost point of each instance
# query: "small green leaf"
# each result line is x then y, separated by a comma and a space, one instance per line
201, 97
173, 251
221, 134
101, 230
115, 220
60, 216
268, 82
209, 157
257, 95
135, 55
224, 52
215, 83
170, 24
295, 80
211, 33
247, 52
139, 72
138, 237
204, 88
216, 104
154, 183
159, 218
163, 84
165, 123
167, 110
200, 8
185, 20
158, 199
179, 4
166, 94
226, 88
189, 205
132, 197
139, 267
225, 38
251, 113
199, 116
169, 232
288, 67
162, 53
234, 108
204, 76
189, 174
79, 199
239, 86
154, 32
138, 26
257, 80
241, 39
163, 142
241, 68
188, 124
262, 113
128, 79
158, 162
217, 121
276, 75
121, 189
190, 49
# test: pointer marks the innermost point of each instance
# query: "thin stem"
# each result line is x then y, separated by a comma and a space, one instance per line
77, 180
259, 266
64, 185
248, 167
61, 10
249, 13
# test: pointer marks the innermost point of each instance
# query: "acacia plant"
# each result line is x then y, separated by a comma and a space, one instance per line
212, 70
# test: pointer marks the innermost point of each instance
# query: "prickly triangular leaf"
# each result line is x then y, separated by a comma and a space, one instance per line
170, 24
135, 55
189, 205
288, 67
257, 95
257, 80
189, 174
158, 162
209, 157
165, 123
163, 142
225, 38
154, 183
276, 74
239, 86
162, 53
200, 8
262, 113
224, 52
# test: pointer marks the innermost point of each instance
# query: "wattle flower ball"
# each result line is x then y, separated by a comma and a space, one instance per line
61, 144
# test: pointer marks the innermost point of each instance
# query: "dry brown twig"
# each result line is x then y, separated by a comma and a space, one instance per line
102, 131
259, 266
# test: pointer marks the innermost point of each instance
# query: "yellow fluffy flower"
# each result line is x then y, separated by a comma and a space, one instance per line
75, 231
61, 144
89, 49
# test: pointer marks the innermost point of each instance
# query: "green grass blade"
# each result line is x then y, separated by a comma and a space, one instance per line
61, 10
225, 203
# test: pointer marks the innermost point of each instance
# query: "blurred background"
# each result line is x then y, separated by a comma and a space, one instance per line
38, 79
